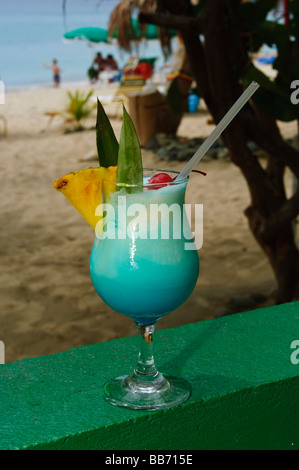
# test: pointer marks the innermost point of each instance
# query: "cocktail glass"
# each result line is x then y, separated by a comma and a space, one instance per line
140, 267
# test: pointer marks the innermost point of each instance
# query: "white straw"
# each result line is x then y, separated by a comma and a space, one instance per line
199, 154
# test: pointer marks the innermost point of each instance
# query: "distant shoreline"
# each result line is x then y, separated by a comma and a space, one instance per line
45, 86
266, 68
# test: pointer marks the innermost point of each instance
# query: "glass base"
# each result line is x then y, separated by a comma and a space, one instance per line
124, 392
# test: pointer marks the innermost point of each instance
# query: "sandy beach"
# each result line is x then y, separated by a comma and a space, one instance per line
48, 303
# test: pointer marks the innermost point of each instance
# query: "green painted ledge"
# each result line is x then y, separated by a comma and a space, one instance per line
245, 390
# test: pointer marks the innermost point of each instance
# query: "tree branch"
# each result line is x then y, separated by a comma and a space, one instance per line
225, 90
273, 225
196, 58
270, 140
180, 23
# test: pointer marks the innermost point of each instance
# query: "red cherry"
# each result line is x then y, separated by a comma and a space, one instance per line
160, 178
165, 178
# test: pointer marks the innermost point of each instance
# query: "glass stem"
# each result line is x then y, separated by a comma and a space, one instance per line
146, 378
146, 364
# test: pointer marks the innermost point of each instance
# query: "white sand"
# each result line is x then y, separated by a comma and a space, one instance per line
48, 303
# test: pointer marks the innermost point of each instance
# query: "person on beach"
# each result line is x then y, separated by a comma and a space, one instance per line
56, 72
99, 64
110, 63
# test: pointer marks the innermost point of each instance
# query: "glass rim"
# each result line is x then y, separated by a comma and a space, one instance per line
152, 185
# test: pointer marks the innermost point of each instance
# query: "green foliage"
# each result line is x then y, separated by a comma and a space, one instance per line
79, 107
251, 15
199, 10
274, 96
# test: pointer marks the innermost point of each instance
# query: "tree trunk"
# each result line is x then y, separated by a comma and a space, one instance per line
217, 66
266, 186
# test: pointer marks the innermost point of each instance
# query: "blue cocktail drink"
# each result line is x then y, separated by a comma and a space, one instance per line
144, 265
145, 278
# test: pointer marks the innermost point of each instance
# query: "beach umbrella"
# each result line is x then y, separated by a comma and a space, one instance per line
101, 35
91, 34
149, 32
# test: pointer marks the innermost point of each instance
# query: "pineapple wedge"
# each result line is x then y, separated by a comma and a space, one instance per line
84, 188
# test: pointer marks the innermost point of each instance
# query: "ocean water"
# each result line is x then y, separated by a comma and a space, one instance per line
31, 33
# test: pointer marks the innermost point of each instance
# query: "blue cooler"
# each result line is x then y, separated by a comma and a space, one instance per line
193, 102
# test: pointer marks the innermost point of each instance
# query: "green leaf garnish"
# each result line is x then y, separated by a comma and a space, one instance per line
129, 166
107, 144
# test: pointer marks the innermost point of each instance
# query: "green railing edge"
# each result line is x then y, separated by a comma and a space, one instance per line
211, 391
281, 434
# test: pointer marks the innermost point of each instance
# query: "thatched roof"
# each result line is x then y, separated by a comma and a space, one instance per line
120, 21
